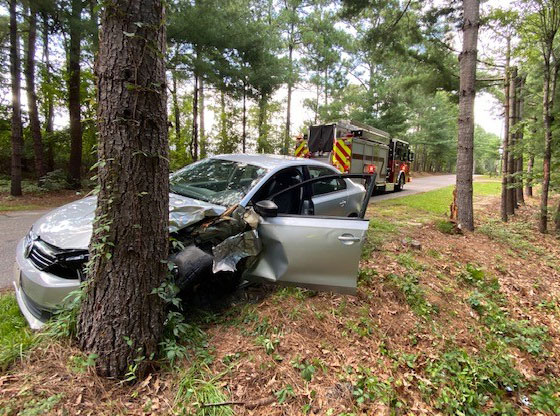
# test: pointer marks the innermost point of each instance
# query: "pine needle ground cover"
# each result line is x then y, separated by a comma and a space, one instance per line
469, 324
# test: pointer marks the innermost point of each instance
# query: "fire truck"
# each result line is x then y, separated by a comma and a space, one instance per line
354, 147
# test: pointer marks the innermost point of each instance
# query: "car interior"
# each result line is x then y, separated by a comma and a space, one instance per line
290, 202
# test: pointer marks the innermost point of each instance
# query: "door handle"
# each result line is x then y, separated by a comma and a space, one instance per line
348, 239
342, 203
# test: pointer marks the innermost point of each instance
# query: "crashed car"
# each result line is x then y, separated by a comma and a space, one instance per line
263, 217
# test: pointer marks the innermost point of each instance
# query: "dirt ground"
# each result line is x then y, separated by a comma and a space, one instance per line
38, 201
392, 349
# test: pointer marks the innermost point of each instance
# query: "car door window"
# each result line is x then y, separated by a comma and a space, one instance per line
288, 202
326, 186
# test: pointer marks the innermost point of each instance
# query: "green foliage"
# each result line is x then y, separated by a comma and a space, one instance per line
284, 394
446, 227
461, 383
368, 388
489, 303
547, 397
307, 369
15, 336
414, 294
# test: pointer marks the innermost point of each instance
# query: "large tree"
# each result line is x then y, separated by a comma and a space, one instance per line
74, 104
467, 92
121, 320
34, 123
17, 134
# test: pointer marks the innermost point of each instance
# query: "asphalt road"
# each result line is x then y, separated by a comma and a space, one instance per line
417, 185
14, 225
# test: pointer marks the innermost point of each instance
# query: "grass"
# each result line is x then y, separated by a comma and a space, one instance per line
15, 335
438, 201
22, 207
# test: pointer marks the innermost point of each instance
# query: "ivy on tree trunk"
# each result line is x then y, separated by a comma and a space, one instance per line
121, 319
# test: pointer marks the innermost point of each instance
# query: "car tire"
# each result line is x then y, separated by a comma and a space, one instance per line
193, 266
400, 185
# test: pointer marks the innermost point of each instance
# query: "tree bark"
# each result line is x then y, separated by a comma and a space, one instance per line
529, 181
519, 161
203, 143
121, 319
467, 92
176, 110
287, 138
75, 163
505, 143
34, 123
49, 108
512, 204
261, 120
195, 120
244, 131
16, 129
548, 101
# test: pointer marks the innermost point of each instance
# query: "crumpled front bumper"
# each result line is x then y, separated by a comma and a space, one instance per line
38, 293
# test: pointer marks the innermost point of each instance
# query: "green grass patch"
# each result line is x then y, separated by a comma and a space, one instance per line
438, 201
517, 235
4, 207
446, 227
15, 336
379, 230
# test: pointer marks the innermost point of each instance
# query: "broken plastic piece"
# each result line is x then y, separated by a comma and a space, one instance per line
230, 251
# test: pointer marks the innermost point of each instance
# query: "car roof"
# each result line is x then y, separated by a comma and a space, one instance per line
269, 161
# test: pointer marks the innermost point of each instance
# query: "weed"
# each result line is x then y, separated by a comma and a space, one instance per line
489, 303
414, 294
408, 261
268, 344
306, 368
79, 364
35, 407
463, 384
366, 276
547, 398
378, 232
516, 235
434, 253
446, 227
369, 388
284, 394
15, 335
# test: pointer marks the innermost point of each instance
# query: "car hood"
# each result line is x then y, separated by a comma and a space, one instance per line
70, 226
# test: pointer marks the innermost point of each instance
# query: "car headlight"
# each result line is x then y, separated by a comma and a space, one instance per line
28, 242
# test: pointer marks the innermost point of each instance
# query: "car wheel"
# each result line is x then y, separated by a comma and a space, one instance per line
193, 266
400, 185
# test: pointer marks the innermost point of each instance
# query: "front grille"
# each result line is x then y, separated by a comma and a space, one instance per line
40, 258
68, 264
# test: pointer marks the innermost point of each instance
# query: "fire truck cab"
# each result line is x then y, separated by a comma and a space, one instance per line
355, 148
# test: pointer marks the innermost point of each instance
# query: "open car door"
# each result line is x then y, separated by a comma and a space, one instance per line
317, 252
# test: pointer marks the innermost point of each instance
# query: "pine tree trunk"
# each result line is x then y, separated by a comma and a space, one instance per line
203, 143
529, 181
75, 164
512, 142
244, 132
519, 160
176, 110
16, 129
505, 143
261, 120
557, 219
287, 138
547, 124
194, 137
49, 107
121, 319
467, 92
34, 123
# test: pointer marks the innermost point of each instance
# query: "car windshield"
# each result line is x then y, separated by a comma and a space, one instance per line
220, 182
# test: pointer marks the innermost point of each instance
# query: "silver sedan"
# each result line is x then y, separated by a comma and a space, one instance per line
312, 239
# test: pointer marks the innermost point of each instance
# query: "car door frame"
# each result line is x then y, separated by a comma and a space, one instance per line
274, 262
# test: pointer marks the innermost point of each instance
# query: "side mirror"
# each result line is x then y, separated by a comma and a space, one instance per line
266, 208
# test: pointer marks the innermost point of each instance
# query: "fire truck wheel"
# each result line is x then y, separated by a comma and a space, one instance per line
400, 185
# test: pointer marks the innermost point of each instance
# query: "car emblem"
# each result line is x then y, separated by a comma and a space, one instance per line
29, 242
